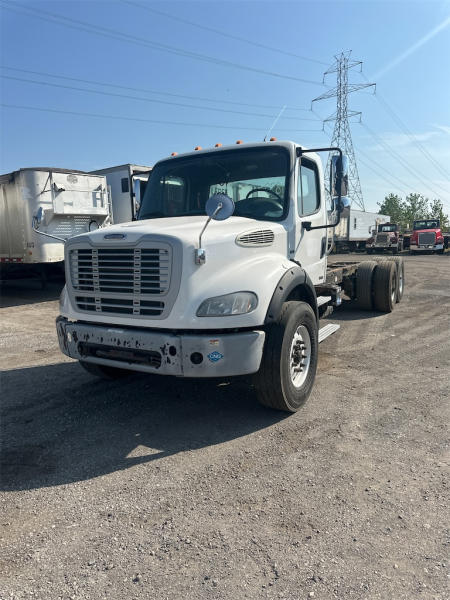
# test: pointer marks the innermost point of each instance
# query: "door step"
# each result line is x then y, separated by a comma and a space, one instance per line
323, 300
327, 330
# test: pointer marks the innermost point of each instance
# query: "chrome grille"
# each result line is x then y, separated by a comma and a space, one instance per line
261, 237
382, 238
121, 281
427, 238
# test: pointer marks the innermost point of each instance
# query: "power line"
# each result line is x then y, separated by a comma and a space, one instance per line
399, 158
152, 100
118, 35
149, 91
142, 120
408, 133
220, 32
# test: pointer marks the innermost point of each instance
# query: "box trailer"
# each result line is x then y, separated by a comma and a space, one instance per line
355, 229
71, 202
127, 185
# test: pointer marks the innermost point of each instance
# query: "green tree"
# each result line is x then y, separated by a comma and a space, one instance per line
415, 207
394, 207
436, 210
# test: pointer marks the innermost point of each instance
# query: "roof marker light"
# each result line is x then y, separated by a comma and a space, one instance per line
272, 139
239, 142
174, 154
197, 148
218, 145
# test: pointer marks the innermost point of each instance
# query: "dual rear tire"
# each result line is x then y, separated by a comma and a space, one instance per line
380, 284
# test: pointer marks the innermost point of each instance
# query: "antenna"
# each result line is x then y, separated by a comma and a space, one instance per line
342, 136
274, 123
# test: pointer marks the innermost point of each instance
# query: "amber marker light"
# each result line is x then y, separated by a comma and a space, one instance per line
197, 148
272, 139
218, 145
239, 142
174, 154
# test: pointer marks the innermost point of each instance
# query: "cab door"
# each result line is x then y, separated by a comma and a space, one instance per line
310, 246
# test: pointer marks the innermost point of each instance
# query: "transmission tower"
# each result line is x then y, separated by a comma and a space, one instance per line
341, 135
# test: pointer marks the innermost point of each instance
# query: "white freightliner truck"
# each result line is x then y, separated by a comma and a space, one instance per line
238, 293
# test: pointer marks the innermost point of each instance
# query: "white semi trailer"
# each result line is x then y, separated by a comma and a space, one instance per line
356, 228
127, 186
69, 202
238, 293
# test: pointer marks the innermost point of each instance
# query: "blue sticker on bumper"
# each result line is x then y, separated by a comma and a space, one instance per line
215, 356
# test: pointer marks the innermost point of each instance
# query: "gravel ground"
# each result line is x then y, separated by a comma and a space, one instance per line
167, 489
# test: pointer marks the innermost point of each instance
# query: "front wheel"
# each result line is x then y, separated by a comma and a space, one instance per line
288, 367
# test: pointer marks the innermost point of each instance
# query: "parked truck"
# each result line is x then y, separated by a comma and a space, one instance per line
71, 202
126, 187
387, 237
354, 230
427, 236
240, 292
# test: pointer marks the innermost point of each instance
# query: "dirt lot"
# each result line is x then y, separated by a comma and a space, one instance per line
167, 489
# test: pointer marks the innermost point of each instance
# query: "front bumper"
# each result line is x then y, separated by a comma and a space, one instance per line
150, 351
429, 247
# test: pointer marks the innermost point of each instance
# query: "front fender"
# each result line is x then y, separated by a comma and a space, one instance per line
294, 278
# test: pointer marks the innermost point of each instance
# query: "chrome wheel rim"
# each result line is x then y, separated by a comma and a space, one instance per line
300, 356
394, 290
400, 281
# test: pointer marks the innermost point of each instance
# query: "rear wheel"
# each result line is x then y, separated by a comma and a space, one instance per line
364, 278
385, 286
103, 371
288, 367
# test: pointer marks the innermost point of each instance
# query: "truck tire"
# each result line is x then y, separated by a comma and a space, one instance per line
104, 371
385, 286
288, 366
400, 272
364, 284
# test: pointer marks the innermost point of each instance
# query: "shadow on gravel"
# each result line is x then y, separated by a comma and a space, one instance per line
61, 425
28, 291
349, 311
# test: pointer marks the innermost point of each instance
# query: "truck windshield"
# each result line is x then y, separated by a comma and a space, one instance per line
387, 227
426, 224
256, 179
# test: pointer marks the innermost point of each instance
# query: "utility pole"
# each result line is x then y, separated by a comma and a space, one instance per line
341, 135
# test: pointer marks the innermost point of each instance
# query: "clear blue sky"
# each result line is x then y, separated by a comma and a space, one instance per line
404, 46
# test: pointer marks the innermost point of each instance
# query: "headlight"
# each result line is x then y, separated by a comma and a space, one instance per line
238, 303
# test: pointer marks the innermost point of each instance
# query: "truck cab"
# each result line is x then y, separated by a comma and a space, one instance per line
223, 273
386, 237
427, 236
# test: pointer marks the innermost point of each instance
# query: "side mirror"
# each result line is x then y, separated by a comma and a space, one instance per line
219, 207
338, 176
137, 196
37, 219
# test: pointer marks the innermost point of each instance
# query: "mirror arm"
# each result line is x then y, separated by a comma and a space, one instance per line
307, 224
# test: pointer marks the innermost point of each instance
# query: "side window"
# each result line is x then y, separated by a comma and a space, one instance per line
125, 184
308, 195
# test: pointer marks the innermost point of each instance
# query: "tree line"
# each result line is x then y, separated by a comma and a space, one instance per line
413, 207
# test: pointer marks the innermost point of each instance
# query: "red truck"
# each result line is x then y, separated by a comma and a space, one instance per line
388, 237
427, 236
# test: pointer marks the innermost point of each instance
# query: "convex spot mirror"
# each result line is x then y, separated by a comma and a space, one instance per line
338, 176
219, 207
343, 206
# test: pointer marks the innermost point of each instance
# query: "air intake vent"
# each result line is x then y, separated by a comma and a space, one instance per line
255, 239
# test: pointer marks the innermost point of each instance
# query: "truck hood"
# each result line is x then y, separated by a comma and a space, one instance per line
186, 229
